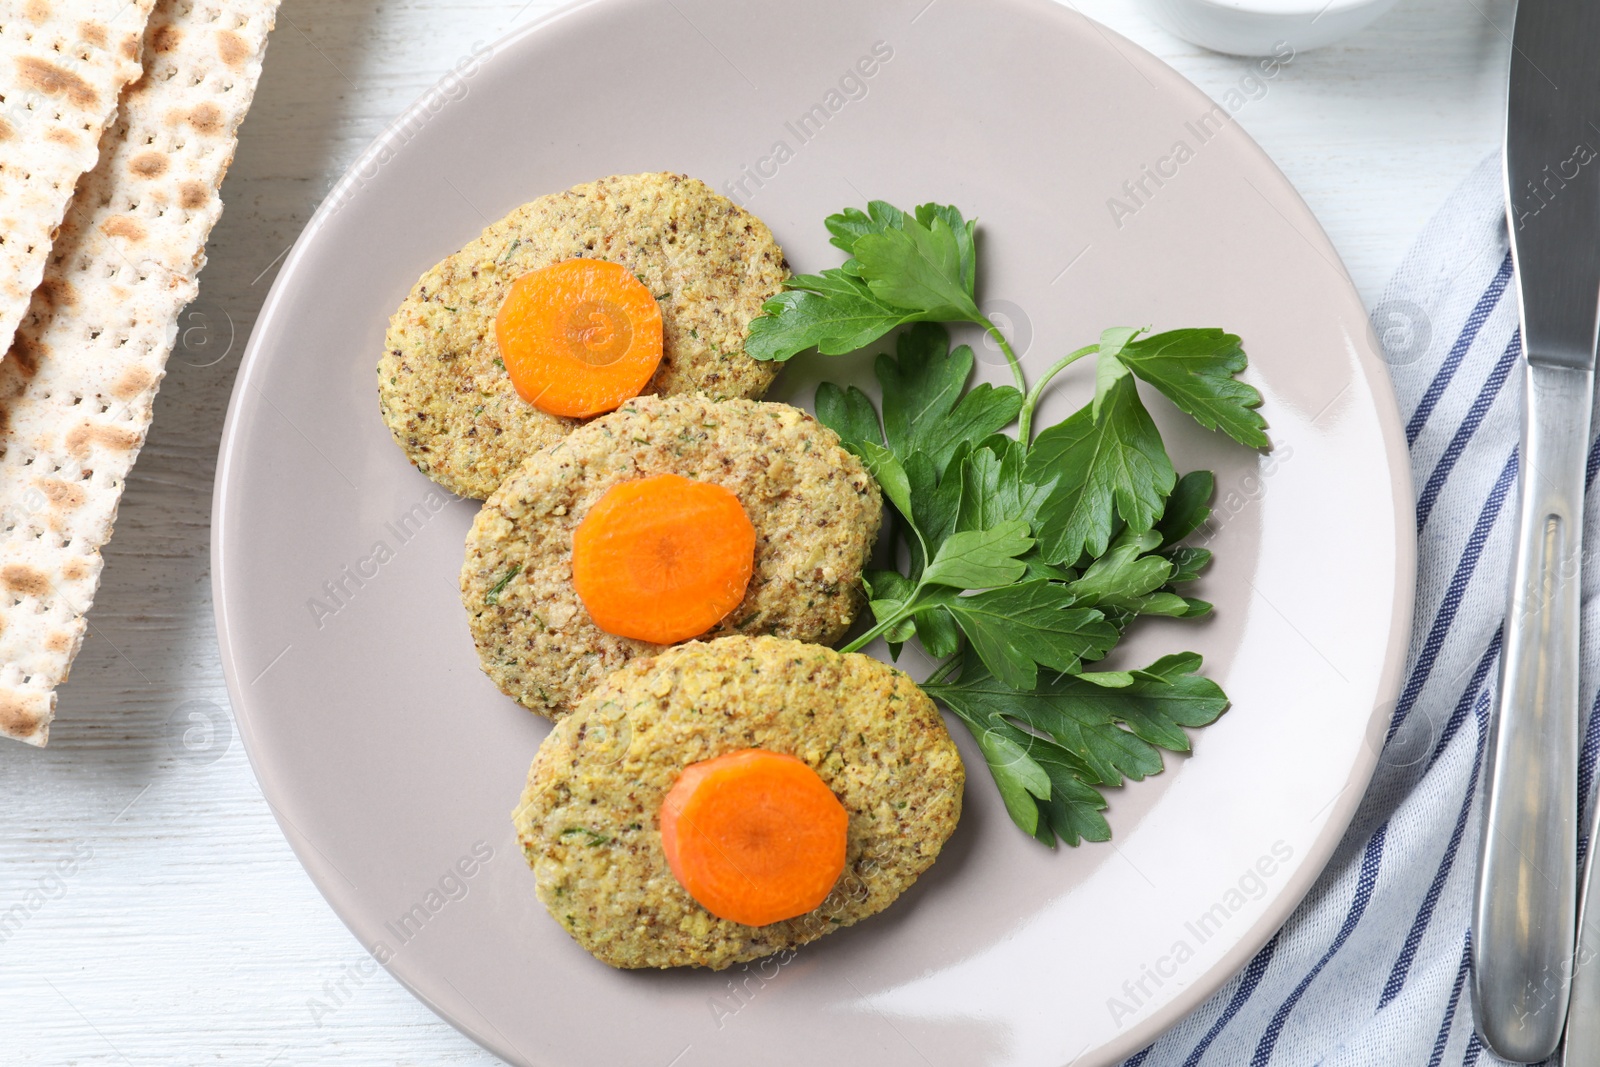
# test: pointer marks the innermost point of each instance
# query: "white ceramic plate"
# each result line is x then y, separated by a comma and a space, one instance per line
393, 764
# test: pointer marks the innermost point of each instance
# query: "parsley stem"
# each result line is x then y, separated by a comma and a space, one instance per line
1005, 346
942, 671
908, 607
873, 634
1025, 420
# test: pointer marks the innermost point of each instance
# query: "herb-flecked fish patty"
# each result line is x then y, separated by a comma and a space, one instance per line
442, 387
815, 509
589, 820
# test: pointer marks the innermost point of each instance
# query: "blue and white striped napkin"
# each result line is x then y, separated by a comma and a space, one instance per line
1372, 968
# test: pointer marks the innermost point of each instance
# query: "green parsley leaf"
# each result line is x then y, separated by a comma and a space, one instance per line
1124, 574
1112, 466
833, 312
1169, 604
1108, 371
1115, 732
924, 408
966, 233
994, 487
891, 586
938, 632
888, 592
922, 383
852, 223
891, 476
1073, 807
1187, 563
1114, 340
1106, 679
984, 410
1168, 694
980, 559
1188, 507
935, 502
905, 268
1039, 568
1021, 780
1016, 630
989, 633
1195, 369
921, 267
850, 414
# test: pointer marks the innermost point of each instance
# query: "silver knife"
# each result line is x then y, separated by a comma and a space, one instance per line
1524, 915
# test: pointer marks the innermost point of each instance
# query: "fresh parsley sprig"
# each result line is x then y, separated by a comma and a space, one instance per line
921, 267
1027, 557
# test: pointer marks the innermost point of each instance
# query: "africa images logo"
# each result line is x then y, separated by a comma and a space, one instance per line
1139, 190
1139, 991
340, 591
1540, 192
806, 126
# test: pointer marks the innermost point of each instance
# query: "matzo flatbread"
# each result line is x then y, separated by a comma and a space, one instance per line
63, 64
77, 387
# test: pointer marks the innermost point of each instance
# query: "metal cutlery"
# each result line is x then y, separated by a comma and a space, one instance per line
1524, 914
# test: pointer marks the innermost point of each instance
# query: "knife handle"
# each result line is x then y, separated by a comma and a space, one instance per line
1524, 915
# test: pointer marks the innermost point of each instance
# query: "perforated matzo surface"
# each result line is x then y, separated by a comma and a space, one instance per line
62, 65
76, 389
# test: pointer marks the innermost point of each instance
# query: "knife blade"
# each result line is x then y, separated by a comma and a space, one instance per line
1525, 908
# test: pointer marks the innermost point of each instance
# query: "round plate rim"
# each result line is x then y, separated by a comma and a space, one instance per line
1342, 810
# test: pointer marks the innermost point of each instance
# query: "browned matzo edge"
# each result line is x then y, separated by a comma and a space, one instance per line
62, 65
77, 387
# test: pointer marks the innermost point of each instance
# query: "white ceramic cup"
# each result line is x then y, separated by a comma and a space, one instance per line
1257, 27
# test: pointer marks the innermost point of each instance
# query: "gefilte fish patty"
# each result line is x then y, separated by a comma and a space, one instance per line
443, 390
589, 820
815, 509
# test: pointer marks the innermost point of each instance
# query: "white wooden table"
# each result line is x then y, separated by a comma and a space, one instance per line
167, 921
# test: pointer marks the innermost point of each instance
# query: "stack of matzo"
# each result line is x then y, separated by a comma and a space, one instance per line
64, 64
77, 386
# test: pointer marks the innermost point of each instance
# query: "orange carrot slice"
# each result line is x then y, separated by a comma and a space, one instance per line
755, 836
579, 337
663, 558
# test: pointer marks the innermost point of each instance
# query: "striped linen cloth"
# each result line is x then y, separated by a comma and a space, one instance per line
1372, 968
